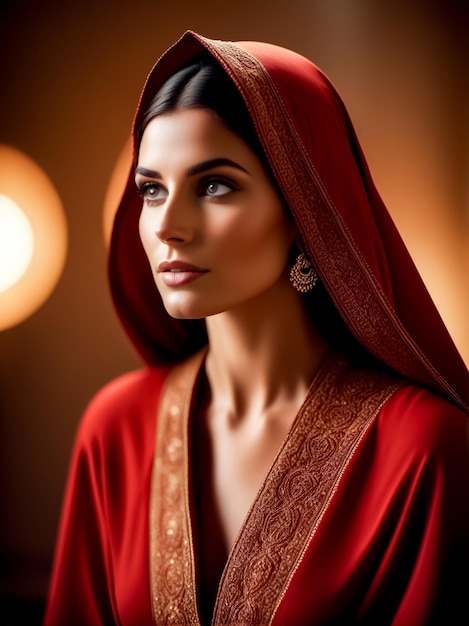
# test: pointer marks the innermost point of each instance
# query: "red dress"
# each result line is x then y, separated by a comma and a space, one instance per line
363, 517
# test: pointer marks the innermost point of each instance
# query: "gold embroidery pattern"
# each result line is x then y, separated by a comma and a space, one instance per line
340, 406
337, 412
360, 298
172, 575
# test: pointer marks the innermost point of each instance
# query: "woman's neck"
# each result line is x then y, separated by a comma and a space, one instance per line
262, 354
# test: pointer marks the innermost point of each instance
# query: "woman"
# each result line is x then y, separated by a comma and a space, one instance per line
296, 450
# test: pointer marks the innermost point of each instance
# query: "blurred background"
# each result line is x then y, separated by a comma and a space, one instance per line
70, 77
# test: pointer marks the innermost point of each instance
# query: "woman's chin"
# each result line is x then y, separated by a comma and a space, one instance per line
185, 311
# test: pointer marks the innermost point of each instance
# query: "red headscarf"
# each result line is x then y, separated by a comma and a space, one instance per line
346, 230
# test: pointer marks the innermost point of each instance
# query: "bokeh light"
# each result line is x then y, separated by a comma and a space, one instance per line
16, 243
116, 188
33, 237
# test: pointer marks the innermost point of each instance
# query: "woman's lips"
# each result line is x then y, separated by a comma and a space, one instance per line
178, 273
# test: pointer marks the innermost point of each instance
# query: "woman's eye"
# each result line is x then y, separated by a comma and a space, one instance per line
216, 188
152, 193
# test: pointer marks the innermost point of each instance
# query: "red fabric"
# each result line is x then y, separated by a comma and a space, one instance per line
101, 573
391, 549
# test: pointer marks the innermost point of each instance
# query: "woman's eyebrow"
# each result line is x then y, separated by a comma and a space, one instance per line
212, 163
198, 168
147, 173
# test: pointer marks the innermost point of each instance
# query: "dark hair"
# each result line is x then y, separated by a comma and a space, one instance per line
204, 84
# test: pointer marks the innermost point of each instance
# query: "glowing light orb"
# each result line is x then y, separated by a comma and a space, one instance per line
16, 243
116, 188
33, 237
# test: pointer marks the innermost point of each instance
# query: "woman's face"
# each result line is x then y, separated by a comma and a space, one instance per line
215, 232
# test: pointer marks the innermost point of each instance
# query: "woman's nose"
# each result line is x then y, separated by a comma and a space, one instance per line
176, 221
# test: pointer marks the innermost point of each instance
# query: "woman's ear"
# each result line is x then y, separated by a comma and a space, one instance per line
296, 248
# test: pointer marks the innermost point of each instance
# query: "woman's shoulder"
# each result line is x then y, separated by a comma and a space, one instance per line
125, 403
420, 420
129, 388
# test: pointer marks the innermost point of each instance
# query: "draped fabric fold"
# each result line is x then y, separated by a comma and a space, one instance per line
362, 519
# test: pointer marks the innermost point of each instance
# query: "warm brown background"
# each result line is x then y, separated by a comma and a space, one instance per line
70, 75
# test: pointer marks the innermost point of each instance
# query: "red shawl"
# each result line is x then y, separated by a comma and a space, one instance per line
347, 231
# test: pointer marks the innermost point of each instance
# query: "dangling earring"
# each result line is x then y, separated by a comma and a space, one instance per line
303, 275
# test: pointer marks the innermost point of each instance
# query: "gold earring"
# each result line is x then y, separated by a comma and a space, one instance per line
303, 275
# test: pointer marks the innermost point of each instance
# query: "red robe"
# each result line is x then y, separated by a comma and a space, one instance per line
363, 517
373, 532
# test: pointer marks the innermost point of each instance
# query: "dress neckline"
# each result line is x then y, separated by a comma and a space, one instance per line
339, 407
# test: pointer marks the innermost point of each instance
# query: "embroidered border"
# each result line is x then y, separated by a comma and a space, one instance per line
339, 408
172, 566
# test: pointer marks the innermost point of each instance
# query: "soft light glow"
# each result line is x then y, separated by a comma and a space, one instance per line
16, 243
30, 205
116, 188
